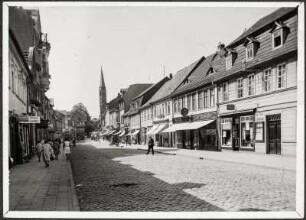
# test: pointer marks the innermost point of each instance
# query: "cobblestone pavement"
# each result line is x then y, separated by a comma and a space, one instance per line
120, 179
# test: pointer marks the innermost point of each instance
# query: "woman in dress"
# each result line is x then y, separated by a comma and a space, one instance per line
47, 152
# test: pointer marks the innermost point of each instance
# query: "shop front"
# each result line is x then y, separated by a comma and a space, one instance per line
237, 130
195, 131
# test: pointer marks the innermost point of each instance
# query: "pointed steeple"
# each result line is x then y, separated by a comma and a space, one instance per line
102, 83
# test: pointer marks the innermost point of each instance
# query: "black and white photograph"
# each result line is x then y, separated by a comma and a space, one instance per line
153, 110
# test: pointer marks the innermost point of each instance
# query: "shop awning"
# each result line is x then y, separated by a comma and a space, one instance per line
242, 111
112, 132
197, 124
175, 127
135, 132
159, 129
152, 129
105, 133
122, 134
187, 126
117, 133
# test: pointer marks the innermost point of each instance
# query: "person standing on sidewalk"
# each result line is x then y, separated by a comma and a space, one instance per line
47, 152
67, 149
39, 148
150, 145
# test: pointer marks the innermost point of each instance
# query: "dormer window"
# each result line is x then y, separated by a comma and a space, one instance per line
249, 51
277, 37
279, 33
251, 47
210, 71
228, 61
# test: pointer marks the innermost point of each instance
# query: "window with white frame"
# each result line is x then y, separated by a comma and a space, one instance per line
179, 104
206, 99
168, 109
266, 80
184, 102
194, 102
281, 75
251, 85
228, 61
249, 51
277, 38
225, 92
200, 100
189, 102
175, 105
240, 88
212, 97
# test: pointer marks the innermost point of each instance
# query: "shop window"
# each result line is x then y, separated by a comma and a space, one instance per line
266, 80
212, 97
247, 131
200, 99
226, 132
281, 76
259, 132
251, 85
240, 88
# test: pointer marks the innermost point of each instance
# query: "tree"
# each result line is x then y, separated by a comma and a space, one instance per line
80, 114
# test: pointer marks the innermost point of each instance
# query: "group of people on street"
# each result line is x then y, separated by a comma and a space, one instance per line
50, 150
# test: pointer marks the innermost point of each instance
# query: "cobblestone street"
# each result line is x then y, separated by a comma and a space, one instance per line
122, 179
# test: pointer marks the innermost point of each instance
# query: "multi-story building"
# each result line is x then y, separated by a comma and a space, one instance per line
257, 87
132, 117
195, 109
34, 46
157, 113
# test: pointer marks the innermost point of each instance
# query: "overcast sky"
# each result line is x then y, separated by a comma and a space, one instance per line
131, 44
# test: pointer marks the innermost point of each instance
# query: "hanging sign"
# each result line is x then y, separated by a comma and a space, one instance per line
26, 119
184, 111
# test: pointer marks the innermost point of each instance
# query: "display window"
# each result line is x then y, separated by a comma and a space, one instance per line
226, 132
247, 131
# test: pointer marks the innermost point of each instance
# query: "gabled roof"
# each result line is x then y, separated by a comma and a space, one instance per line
132, 92
114, 103
199, 76
168, 88
261, 23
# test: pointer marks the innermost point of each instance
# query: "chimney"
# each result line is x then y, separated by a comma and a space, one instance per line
221, 49
170, 76
221, 46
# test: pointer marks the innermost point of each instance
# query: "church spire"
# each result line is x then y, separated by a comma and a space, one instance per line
102, 83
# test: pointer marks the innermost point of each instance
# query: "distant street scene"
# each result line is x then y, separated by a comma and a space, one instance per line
154, 108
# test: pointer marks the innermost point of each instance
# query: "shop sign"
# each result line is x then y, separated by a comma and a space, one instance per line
205, 116
26, 119
230, 107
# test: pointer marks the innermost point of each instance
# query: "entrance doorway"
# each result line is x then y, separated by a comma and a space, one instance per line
274, 134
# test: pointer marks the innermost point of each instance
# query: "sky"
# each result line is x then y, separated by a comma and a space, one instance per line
131, 45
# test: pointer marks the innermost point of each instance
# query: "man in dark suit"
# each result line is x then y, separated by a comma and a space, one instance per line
150, 145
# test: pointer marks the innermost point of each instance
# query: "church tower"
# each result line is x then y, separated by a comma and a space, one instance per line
102, 96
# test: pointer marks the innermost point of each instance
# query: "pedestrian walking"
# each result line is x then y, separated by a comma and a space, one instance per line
67, 149
47, 153
56, 148
150, 145
39, 149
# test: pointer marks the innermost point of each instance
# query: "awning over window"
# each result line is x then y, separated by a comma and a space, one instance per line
117, 133
135, 132
122, 133
188, 126
176, 127
159, 129
152, 129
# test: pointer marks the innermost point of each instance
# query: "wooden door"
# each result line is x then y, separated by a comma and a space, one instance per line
274, 136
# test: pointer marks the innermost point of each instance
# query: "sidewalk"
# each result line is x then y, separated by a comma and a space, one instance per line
33, 187
244, 157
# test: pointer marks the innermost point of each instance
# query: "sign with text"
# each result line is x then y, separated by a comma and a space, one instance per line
26, 119
230, 107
